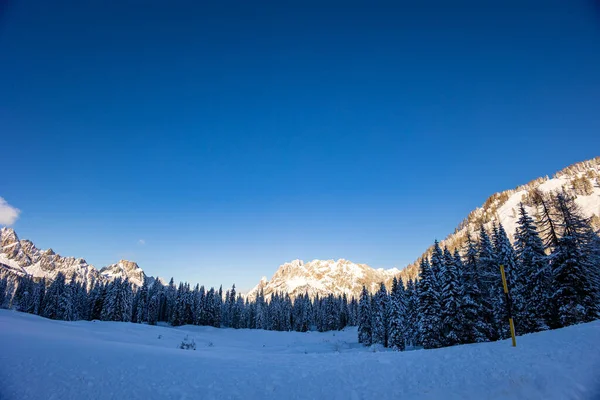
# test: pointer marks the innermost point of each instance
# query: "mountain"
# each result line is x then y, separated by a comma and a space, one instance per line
124, 269
580, 180
22, 257
323, 277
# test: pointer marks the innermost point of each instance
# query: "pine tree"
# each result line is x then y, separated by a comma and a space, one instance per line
429, 305
490, 284
365, 329
533, 281
412, 314
381, 328
397, 316
475, 328
575, 295
65, 308
141, 309
55, 291
505, 255
38, 297
153, 309
260, 318
450, 299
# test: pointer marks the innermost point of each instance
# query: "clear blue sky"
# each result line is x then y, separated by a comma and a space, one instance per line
233, 138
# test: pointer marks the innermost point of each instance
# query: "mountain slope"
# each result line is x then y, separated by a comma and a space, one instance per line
22, 257
582, 180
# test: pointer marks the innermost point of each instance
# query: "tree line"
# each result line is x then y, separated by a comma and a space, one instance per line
154, 302
553, 272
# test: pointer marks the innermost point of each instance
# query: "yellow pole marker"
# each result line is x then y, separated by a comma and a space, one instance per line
509, 307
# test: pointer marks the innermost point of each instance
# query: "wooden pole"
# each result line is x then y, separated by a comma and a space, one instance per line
508, 307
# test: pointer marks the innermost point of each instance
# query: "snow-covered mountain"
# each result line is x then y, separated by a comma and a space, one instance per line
22, 257
581, 180
124, 269
322, 277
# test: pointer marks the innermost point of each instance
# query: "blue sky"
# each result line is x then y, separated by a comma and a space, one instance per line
233, 138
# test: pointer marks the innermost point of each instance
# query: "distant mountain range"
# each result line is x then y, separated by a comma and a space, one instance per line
21, 257
322, 277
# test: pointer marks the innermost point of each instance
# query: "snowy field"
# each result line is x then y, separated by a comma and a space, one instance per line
44, 359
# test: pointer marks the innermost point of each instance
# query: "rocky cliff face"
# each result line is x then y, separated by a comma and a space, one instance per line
322, 277
22, 257
124, 269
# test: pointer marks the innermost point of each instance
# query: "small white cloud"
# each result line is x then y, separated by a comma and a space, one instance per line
8, 213
142, 242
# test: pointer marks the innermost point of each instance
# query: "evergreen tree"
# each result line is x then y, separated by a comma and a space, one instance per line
475, 328
365, 329
38, 297
3, 287
429, 306
575, 294
490, 282
412, 314
450, 300
533, 281
397, 316
505, 255
153, 309
381, 328
141, 309
55, 291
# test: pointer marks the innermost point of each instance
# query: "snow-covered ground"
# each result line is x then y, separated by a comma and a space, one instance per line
44, 359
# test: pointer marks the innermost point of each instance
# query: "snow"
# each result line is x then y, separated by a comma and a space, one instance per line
44, 359
10, 263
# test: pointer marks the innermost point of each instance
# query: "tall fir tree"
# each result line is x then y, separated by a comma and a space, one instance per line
429, 306
575, 294
450, 300
533, 281
365, 328
475, 328
397, 316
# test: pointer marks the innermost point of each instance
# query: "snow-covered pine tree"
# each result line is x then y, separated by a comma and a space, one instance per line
490, 284
65, 308
381, 321
450, 300
260, 318
3, 286
475, 328
365, 328
97, 296
22, 299
412, 315
52, 297
178, 307
141, 309
505, 255
429, 306
575, 293
397, 316
39, 293
546, 216
153, 309
170, 297
533, 278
